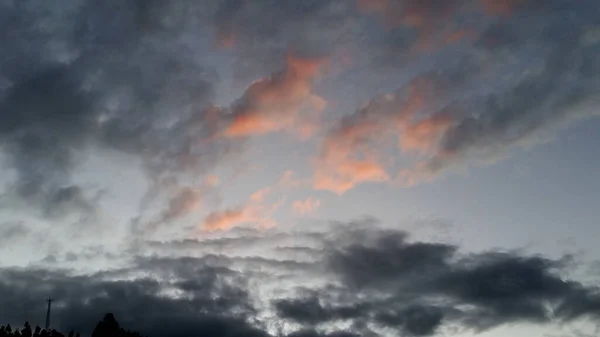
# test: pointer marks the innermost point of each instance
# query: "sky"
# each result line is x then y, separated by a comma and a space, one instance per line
302, 168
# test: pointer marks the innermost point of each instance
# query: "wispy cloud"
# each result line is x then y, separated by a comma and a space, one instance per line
307, 206
353, 151
257, 210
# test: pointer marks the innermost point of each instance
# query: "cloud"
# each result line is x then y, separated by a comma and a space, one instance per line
215, 300
307, 206
418, 288
226, 219
283, 101
13, 232
501, 7
366, 278
256, 210
410, 12
423, 135
351, 152
78, 81
212, 180
263, 32
533, 107
308, 310
183, 203
340, 165
425, 14
348, 174
443, 121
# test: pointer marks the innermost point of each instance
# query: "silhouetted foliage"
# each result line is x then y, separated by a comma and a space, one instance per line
107, 327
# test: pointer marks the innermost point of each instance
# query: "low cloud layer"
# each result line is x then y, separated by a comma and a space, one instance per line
370, 278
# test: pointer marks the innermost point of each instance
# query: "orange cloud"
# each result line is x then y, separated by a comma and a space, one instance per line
260, 195
250, 213
307, 206
284, 101
223, 220
347, 174
349, 153
229, 218
256, 210
343, 161
211, 180
423, 135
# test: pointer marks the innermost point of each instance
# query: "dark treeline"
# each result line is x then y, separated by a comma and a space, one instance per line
107, 327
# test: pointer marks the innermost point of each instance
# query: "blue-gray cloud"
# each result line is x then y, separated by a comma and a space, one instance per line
371, 278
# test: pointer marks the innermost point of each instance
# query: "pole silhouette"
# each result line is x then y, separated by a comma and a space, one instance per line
49, 300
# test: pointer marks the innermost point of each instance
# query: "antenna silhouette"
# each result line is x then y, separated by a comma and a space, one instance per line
49, 300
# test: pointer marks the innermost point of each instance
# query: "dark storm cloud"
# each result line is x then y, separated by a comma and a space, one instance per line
42, 125
119, 75
213, 305
309, 310
314, 333
417, 287
370, 278
359, 262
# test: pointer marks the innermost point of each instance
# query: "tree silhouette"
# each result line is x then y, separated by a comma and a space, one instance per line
26, 332
107, 327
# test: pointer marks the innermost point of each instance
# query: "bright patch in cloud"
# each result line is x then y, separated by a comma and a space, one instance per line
283, 101
307, 206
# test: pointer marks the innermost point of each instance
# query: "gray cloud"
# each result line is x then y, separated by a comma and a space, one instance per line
314, 333
368, 277
560, 86
418, 288
119, 75
264, 31
524, 77
210, 306
12, 232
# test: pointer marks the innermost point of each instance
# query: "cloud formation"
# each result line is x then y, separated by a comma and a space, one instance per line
214, 301
82, 81
352, 152
413, 13
139, 78
256, 210
307, 206
261, 33
371, 279
442, 120
283, 101
533, 105
418, 288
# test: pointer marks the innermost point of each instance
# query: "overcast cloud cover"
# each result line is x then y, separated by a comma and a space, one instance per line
301, 167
